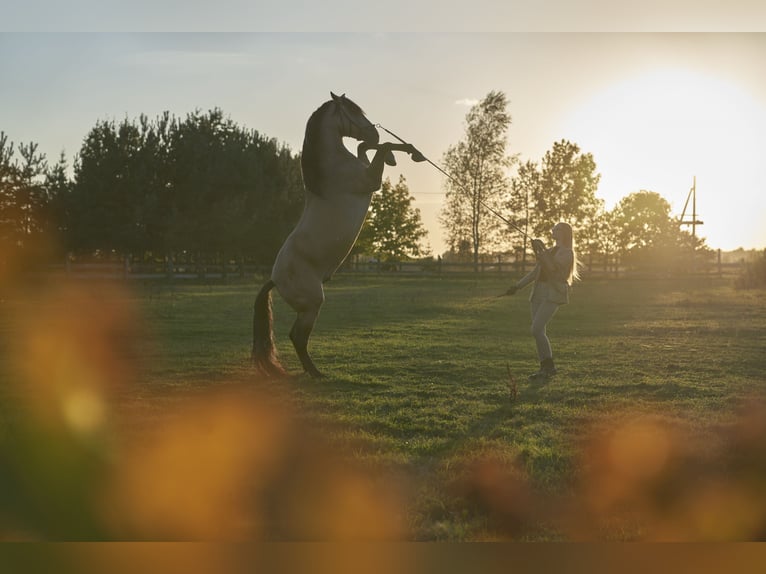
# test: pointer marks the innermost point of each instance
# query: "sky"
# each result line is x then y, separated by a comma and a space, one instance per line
656, 108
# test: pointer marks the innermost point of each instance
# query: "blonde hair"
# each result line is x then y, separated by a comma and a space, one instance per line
566, 236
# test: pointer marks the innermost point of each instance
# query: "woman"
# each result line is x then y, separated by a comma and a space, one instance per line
553, 275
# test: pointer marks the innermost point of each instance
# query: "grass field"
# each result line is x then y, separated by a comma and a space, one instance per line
646, 433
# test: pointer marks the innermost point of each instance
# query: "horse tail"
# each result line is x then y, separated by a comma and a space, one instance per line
264, 355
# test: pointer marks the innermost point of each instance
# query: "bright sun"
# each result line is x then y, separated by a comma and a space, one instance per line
657, 131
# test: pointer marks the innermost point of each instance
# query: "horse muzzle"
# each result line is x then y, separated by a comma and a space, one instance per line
370, 135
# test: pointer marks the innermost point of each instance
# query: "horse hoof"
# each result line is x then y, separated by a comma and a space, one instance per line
390, 159
417, 156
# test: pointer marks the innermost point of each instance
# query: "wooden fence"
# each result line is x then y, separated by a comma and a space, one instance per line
128, 270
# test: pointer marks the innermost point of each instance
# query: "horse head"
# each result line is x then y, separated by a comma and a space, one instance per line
354, 123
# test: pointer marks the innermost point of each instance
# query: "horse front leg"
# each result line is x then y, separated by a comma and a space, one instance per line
387, 150
415, 155
384, 156
364, 147
300, 334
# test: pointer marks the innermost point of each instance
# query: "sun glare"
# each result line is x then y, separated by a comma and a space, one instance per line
659, 130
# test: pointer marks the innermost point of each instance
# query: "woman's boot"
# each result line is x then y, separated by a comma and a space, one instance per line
547, 370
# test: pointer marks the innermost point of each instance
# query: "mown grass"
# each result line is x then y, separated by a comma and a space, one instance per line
417, 386
417, 371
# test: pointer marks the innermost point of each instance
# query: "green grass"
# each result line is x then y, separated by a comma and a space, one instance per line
417, 387
417, 370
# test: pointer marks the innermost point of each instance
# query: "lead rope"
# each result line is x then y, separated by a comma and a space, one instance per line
458, 184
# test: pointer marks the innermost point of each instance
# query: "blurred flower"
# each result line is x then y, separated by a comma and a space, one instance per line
73, 352
65, 362
644, 471
239, 467
496, 486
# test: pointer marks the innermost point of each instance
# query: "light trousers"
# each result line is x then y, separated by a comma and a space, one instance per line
542, 312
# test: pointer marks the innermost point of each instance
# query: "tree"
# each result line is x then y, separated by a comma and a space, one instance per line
393, 229
604, 239
8, 182
648, 235
642, 221
567, 191
24, 203
753, 275
58, 187
116, 174
202, 186
235, 192
478, 184
524, 186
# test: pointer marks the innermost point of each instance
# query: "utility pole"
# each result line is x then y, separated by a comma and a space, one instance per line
694, 222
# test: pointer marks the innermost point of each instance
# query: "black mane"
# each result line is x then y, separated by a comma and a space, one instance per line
311, 150
310, 155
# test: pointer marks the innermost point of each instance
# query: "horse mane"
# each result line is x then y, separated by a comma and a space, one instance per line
311, 152
310, 155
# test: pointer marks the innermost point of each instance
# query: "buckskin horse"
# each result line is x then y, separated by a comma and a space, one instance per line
339, 187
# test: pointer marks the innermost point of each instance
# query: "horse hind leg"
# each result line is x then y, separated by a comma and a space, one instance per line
299, 335
264, 353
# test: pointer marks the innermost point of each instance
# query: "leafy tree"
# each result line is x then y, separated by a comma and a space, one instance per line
201, 186
151, 171
235, 192
393, 230
604, 239
58, 187
275, 197
24, 203
567, 191
753, 275
478, 184
524, 186
9, 177
203, 183
642, 220
116, 181
648, 235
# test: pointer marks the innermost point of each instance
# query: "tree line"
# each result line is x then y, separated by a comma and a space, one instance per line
486, 182
199, 188
202, 188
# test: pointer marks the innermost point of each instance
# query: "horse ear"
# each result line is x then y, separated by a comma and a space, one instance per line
334, 97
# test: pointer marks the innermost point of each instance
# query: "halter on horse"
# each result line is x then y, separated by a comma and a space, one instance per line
339, 189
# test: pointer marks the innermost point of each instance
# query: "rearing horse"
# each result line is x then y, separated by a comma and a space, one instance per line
339, 188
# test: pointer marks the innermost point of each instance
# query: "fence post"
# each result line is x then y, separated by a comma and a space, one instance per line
169, 266
720, 268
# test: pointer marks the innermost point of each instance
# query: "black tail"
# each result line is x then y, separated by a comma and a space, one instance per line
264, 355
